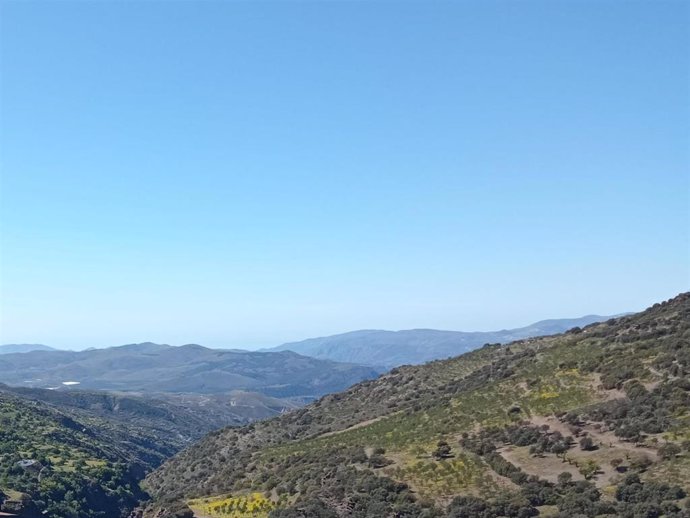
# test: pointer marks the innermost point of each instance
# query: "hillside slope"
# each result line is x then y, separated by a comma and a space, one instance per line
190, 368
416, 346
594, 422
53, 464
66, 434
169, 422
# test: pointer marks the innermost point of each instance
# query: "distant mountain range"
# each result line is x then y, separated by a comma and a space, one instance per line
415, 346
24, 348
152, 367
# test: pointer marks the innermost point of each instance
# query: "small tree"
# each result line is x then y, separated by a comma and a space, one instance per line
588, 469
587, 444
379, 461
442, 450
560, 448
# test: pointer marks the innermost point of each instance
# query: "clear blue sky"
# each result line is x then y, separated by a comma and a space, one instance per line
248, 173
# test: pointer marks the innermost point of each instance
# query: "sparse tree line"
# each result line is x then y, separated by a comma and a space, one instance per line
634, 499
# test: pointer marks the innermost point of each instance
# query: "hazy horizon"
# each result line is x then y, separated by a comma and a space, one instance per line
259, 347
252, 173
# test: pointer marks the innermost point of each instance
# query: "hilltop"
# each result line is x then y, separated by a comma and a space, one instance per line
593, 422
417, 346
24, 348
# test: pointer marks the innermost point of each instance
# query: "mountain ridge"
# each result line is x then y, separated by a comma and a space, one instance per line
416, 346
24, 348
191, 368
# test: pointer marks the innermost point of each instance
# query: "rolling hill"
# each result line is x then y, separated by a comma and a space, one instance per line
416, 346
154, 368
593, 422
23, 348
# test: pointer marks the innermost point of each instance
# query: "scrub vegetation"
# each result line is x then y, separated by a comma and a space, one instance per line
592, 422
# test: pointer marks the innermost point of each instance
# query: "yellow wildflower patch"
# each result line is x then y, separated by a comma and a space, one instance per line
548, 395
254, 505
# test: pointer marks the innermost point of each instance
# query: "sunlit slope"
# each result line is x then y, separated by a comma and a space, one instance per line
54, 465
501, 423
